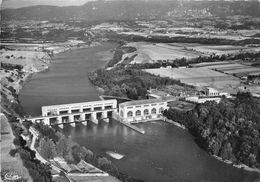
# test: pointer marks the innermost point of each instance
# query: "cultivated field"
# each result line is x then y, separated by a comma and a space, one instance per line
187, 73
220, 49
200, 77
153, 52
149, 52
30, 60
230, 68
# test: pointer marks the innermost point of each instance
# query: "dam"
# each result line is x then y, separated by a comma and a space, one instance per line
76, 112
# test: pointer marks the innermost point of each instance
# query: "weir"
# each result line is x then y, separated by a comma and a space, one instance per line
76, 113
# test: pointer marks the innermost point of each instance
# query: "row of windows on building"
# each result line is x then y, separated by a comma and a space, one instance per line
145, 112
131, 107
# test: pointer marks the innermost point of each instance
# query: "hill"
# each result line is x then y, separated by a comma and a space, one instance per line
129, 10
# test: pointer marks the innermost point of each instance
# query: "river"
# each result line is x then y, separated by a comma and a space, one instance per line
165, 153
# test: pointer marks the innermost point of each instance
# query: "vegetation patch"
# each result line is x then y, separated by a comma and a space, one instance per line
37, 170
119, 52
128, 82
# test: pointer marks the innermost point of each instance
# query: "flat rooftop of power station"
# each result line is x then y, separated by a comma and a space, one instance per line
141, 102
81, 103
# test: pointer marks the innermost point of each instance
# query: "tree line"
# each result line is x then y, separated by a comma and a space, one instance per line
200, 40
188, 62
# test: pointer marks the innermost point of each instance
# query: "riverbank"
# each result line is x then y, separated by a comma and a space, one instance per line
15, 72
240, 166
16, 68
19, 62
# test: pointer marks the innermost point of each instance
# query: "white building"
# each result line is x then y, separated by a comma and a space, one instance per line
77, 112
82, 107
157, 94
135, 111
202, 99
211, 92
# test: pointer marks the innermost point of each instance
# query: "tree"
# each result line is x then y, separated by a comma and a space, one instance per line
63, 146
226, 152
47, 148
19, 141
13, 152
27, 124
25, 155
89, 156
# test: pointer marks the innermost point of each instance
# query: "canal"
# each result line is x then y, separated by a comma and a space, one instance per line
165, 153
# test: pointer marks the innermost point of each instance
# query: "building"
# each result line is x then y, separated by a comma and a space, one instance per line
79, 107
197, 99
141, 110
77, 112
211, 92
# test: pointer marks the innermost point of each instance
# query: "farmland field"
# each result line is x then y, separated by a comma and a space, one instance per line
200, 77
153, 52
187, 73
149, 52
230, 68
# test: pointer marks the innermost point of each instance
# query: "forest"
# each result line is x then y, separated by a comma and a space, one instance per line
127, 82
229, 129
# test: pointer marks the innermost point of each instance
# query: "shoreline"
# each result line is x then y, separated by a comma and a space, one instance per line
21, 82
239, 166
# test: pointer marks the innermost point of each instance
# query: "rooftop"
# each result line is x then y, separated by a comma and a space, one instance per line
210, 89
141, 102
158, 93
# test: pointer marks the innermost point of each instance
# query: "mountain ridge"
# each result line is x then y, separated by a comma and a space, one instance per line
130, 10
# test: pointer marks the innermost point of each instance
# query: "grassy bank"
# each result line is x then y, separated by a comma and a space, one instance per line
10, 164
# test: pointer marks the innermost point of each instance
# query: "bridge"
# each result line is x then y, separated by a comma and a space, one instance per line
77, 112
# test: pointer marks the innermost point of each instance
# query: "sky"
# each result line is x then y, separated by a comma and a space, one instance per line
24, 3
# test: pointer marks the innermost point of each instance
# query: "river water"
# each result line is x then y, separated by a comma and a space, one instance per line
165, 153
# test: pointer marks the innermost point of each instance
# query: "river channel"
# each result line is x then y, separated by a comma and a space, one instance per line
165, 153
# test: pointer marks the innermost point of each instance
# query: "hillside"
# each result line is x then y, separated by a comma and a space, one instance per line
129, 10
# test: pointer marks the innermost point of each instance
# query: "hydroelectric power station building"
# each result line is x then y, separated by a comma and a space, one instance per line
141, 110
77, 112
